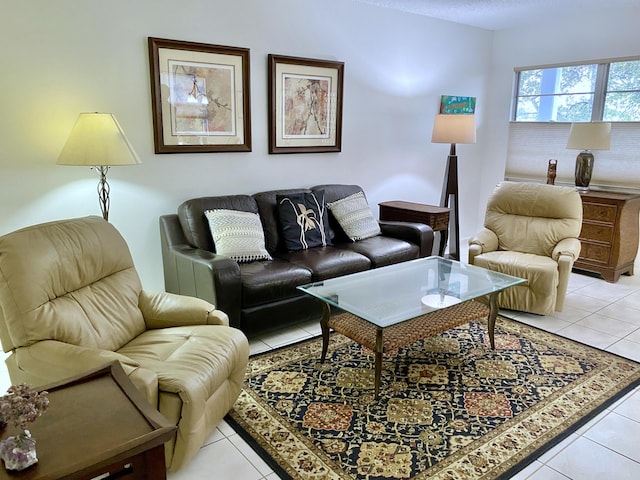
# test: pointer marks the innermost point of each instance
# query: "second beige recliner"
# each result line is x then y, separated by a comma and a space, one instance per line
530, 231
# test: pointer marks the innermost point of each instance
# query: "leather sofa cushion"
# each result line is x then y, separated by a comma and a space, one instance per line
266, 282
333, 192
267, 205
328, 262
194, 223
382, 251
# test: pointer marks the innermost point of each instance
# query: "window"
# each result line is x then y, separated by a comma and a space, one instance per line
606, 91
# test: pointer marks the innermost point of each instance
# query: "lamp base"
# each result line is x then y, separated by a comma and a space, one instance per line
584, 169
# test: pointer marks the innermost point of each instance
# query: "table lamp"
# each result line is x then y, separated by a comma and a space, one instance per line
97, 140
586, 137
452, 129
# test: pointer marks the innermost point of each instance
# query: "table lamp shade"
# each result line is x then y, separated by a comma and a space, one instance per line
590, 136
97, 139
454, 128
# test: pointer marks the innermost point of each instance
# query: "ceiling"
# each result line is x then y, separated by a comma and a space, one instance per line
499, 14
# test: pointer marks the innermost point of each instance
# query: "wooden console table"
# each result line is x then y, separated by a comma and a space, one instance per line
97, 425
609, 235
436, 217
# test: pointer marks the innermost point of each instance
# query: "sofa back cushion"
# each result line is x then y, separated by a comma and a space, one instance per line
533, 217
333, 192
71, 280
267, 204
194, 223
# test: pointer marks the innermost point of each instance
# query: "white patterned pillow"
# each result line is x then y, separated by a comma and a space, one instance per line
354, 216
237, 234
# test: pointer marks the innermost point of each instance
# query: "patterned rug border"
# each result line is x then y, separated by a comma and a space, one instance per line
567, 430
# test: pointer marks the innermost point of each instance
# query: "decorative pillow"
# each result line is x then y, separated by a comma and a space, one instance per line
303, 220
355, 217
237, 234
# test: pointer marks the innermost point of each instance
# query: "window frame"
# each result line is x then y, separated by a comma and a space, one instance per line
599, 92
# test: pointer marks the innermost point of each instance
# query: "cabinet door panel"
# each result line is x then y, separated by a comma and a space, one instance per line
599, 233
599, 212
594, 253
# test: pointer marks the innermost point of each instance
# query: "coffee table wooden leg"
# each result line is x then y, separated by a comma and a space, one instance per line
378, 373
493, 314
324, 325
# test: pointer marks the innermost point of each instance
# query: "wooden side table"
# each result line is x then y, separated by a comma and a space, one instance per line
97, 425
436, 217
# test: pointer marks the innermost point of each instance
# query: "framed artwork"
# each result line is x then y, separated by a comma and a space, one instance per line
200, 97
305, 105
455, 104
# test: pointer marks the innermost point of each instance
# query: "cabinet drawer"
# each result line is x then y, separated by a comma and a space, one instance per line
600, 212
593, 253
599, 233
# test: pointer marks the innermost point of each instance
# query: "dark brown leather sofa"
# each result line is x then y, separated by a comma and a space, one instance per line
262, 295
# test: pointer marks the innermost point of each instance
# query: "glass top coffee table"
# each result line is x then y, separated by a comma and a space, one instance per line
390, 307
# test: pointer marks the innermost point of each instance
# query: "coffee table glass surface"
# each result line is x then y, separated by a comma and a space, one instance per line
389, 295
393, 306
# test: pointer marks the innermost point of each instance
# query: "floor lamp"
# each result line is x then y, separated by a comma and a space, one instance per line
97, 140
452, 129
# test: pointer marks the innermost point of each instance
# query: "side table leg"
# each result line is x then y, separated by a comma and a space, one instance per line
378, 373
324, 325
493, 313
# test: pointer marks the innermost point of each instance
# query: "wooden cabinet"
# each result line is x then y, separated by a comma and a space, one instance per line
609, 235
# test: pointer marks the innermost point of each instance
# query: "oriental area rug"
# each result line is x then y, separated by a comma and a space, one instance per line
449, 406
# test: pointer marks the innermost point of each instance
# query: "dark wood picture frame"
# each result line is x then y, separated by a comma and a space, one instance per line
305, 105
200, 96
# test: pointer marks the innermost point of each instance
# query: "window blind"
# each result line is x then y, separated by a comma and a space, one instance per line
532, 144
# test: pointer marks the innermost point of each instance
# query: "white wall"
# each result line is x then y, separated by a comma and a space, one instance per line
70, 56
611, 33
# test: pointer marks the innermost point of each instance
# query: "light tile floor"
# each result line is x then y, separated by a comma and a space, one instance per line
604, 315
597, 313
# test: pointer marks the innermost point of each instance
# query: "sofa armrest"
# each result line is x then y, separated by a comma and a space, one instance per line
416, 233
199, 273
162, 310
483, 241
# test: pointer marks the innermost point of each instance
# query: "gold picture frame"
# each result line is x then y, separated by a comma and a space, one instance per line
200, 97
305, 105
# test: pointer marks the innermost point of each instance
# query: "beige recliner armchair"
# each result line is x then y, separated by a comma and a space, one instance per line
530, 231
71, 300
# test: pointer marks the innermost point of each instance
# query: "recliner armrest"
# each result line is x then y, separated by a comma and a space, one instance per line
162, 310
483, 241
416, 233
567, 246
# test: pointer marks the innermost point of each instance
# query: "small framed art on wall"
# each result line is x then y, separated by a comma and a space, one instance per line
305, 105
200, 97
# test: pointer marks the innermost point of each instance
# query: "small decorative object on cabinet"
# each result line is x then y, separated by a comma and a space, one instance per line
551, 171
436, 217
609, 235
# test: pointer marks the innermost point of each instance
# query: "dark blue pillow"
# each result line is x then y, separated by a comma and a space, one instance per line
303, 220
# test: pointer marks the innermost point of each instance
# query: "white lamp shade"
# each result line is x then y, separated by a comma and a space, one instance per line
590, 136
454, 128
97, 139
